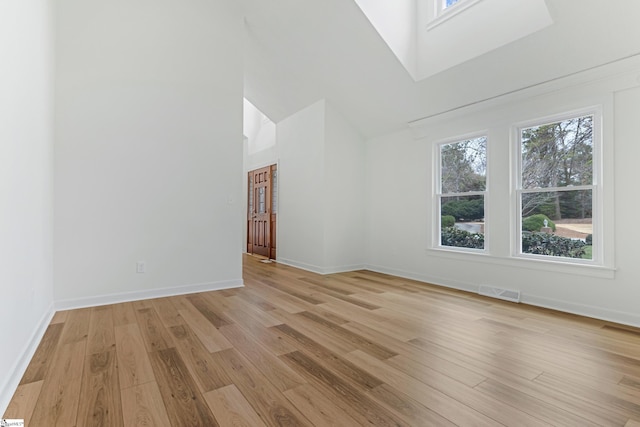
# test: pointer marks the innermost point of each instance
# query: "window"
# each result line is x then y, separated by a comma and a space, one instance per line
448, 3
462, 183
446, 6
556, 189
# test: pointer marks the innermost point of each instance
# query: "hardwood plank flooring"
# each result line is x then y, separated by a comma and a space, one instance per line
134, 367
208, 375
24, 402
42, 357
360, 348
101, 333
59, 397
232, 409
142, 406
184, 402
100, 403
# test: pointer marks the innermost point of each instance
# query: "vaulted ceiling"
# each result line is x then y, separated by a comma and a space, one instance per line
301, 51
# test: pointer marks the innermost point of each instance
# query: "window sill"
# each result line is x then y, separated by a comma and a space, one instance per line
599, 271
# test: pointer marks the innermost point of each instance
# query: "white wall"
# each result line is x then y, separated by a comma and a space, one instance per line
301, 188
148, 148
396, 23
321, 217
259, 130
396, 202
26, 162
401, 214
624, 293
344, 194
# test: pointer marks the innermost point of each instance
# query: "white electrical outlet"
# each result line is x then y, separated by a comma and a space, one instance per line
141, 267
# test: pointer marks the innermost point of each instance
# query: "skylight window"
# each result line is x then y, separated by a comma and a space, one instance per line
448, 3
451, 6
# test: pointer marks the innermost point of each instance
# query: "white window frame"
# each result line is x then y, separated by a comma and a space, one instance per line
441, 13
438, 195
442, 5
596, 187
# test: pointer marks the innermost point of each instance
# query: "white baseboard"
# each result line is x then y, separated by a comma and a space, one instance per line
630, 319
344, 269
320, 270
625, 318
438, 281
20, 366
106, 299
300, 265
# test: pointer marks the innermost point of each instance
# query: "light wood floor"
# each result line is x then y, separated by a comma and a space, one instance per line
294, 348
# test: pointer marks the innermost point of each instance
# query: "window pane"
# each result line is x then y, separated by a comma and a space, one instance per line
462, 222
569, 225
558, 154
251, 208
261, 200
274, 192
448, 3
464, 166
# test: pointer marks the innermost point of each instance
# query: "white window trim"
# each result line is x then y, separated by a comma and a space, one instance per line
597, 187
437, 195
442, 14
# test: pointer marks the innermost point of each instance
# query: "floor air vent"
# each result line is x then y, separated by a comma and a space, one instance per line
505, 294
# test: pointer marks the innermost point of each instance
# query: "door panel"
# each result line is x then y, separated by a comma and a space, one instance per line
261, 215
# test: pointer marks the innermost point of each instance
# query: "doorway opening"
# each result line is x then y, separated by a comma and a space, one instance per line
262, 210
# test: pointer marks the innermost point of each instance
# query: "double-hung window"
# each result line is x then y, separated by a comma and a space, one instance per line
556, 188
460, 192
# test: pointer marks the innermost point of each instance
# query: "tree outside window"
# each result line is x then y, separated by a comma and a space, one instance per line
556, 191
461, 193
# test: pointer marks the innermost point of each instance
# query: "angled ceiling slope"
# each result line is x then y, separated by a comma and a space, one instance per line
301, 51
427, 42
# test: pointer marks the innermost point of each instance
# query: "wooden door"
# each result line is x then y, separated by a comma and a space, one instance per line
261, 221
